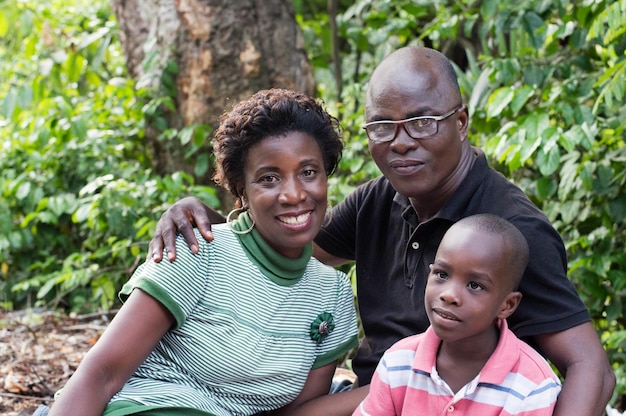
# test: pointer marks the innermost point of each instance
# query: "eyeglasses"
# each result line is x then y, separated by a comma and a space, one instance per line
416, 127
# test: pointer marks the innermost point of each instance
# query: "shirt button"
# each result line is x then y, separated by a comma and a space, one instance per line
450, 409
415, 245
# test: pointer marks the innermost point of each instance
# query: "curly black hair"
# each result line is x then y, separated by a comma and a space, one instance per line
272, 112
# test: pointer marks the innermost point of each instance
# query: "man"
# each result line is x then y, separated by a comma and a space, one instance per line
392, 225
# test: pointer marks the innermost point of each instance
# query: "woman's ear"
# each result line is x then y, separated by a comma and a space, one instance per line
509, 305
241, 197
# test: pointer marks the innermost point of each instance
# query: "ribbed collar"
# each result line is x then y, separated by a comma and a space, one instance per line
278, 268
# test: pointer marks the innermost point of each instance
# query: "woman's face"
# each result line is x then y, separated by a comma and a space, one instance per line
285, 189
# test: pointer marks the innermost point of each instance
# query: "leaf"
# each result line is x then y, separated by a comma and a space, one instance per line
533, 75
23, 190
201, 165
8, 104
94, 36
498, 101
548, 161
61, 204
570, 210
531, 23
480, 90
528, 148
4, 27
521, 97
586, 175
617, 209
81, 214
79, 128
535, 124
186, 134
546, 187
488, 9
24, 96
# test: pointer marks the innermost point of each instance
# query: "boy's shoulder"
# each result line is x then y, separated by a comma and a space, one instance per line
532, 360
408, 343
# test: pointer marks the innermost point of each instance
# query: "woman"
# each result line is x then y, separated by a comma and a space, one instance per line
252, 322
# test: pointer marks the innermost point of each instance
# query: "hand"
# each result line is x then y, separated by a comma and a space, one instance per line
182, 217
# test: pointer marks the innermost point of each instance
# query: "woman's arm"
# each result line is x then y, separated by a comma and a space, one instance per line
124, 345
314, 398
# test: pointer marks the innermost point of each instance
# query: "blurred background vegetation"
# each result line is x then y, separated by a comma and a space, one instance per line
544, 82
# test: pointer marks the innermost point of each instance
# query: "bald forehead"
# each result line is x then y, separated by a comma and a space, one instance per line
414, 61
413, 71
414, 56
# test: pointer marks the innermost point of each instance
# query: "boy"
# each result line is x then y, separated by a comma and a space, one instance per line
467, 362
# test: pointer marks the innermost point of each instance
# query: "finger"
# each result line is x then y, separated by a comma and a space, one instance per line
186, 230
169, 240
155, 249
204, 226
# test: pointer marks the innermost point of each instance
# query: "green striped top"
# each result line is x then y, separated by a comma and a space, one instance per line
242, 343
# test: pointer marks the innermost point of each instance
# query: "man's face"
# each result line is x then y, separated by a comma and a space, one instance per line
417, 168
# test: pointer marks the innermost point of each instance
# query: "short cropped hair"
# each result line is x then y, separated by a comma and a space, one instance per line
515, 245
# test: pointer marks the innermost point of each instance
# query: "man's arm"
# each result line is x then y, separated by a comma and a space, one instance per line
589, 380
189, 212
327, 258
182, 217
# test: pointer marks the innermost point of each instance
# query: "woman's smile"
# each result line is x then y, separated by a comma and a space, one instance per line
300, 220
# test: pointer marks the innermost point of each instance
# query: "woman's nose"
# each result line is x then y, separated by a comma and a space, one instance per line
291, 192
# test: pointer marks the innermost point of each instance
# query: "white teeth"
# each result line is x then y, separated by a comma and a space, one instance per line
300, 219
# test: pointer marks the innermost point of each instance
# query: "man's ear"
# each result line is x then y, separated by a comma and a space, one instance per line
509, 304
463, 121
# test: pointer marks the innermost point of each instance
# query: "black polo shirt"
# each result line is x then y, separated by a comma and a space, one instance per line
378, 228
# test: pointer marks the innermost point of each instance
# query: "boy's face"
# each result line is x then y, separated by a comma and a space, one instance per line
469, 285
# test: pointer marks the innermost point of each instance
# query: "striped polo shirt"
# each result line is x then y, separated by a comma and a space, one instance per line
516, 380
241, 344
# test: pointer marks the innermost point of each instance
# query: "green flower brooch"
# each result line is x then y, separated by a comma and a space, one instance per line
322, 326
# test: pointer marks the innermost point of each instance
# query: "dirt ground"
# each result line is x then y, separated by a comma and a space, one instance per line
38, 353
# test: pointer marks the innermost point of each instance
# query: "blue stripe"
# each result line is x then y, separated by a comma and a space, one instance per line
502, 388
550, 386
508, 390
399, 368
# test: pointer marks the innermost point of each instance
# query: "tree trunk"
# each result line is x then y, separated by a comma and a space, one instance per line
225, 50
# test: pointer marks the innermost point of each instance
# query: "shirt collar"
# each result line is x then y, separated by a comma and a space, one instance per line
495, 369
278, 268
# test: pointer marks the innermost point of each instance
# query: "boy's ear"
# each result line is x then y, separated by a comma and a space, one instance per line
509, 304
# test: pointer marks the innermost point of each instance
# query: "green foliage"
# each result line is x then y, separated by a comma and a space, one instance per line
548, 107
79, 201
543, 80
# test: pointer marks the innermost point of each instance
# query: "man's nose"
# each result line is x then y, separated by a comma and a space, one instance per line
401, 140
